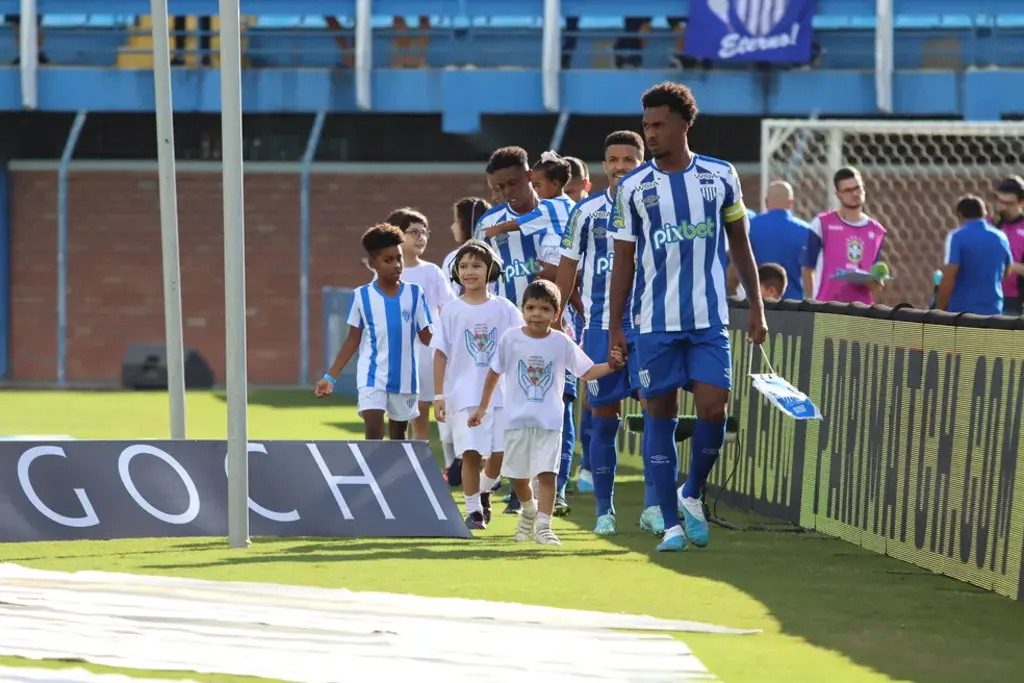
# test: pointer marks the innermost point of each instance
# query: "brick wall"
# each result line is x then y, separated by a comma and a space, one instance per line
114, 265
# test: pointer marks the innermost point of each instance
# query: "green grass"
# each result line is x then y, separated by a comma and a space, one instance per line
830, 611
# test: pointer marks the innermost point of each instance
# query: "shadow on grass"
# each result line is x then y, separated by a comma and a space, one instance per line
289, 398
908, 623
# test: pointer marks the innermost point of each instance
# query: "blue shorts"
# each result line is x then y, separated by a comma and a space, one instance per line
612, 388
569, 393
675, 360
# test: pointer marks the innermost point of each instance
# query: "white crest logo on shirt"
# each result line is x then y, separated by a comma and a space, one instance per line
535, 378
708, 191
406, 315
481, 343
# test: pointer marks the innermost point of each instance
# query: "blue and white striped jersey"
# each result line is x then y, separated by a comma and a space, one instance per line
589, 241
387, 351
677, 221
536, 241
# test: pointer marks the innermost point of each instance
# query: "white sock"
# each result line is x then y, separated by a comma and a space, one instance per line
448, 448
472, 502
672, 532
530, 508
544, 519
486, 483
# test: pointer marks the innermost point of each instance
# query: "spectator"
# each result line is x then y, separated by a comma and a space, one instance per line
977, 259
180, 40
337, 32
569, 39
411, 51
629, 47
15, 21
1010, 219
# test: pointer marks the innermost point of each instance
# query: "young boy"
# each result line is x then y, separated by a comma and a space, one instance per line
537, 357
465, 342
386, 316
773, 280
437, 291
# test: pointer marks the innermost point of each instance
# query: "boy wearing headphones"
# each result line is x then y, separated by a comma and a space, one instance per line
464, 342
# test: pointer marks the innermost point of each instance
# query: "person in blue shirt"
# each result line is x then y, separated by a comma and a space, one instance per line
777, 236
977, 260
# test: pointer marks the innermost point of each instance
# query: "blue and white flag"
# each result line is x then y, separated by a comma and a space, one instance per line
781, 393
750, 30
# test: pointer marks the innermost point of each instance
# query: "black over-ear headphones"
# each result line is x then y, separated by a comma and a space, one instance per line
494, 273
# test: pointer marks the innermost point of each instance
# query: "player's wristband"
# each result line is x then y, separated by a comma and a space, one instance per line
438, 397
330, 379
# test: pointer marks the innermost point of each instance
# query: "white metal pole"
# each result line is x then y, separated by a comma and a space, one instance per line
234, 272
364, 54
28, 53
168, 217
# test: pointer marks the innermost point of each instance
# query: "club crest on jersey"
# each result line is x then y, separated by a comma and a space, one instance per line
406, 315
535, 378
673, 234
854, 250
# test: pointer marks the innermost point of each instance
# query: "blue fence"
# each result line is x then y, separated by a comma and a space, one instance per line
952, 58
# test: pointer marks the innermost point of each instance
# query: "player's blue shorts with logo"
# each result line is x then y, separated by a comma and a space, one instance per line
675, 360
617, 386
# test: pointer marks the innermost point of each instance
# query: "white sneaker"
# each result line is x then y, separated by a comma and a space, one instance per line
545, 536
525, 529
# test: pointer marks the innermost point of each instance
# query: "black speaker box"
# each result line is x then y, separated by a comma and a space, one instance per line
144, 366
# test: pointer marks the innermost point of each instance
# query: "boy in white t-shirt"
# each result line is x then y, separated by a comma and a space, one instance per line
536, 357
438, 292
465, 342
386, 317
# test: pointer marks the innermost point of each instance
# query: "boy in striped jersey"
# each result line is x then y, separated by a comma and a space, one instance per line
668, 219
386, 318
589, 240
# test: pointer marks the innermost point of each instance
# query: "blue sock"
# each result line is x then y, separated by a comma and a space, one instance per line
705, 445
586, 431
568, 444
604, 458
650, 493
665, 467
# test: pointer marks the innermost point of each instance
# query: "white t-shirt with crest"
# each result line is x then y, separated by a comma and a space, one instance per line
468, 334
536, 377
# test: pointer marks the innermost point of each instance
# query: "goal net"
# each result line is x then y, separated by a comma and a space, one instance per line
914, 172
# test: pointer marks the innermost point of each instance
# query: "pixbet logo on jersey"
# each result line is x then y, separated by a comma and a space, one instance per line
673, 234
517, 269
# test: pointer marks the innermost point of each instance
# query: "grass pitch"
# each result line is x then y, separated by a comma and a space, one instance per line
831, 612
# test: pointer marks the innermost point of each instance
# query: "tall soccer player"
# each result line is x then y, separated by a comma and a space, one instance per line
527, 231
669, 218
588, 239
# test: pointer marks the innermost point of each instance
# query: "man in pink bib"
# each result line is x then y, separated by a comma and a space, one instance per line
843, 240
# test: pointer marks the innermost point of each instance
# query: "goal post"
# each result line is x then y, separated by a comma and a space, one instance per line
914, 172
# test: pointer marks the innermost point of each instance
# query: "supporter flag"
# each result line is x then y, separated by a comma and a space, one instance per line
750, 30
781, 393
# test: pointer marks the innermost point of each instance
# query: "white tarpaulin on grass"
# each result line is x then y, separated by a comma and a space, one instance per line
315, 635
13, 674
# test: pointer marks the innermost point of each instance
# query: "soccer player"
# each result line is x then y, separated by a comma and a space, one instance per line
386, 317
671, 219
846, 239
537, 358
578, 187
465, 340
773, 280
977, 259
525, 230
1010, 207
437, 290
588, 239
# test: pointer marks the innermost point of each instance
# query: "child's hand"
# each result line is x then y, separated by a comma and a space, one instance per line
440, 410
323, 388
475, 419
615, 359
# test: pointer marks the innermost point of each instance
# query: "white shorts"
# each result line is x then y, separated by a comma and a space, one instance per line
485, 439
425, 369
444, 432
530, 451
399, 407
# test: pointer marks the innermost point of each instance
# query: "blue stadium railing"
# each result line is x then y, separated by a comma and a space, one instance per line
947, 56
